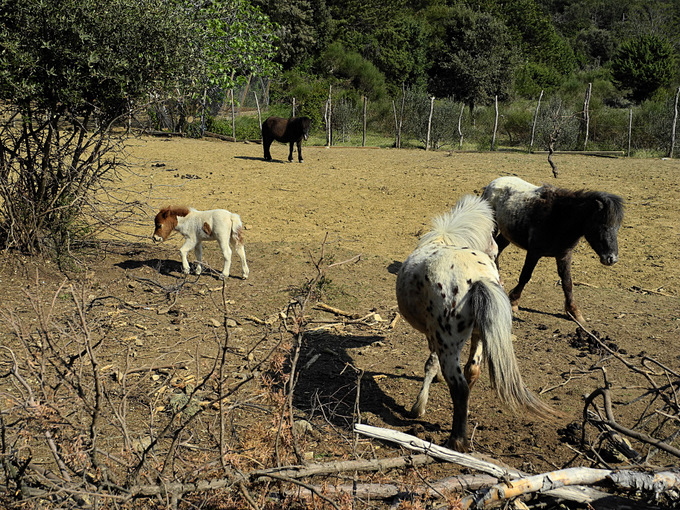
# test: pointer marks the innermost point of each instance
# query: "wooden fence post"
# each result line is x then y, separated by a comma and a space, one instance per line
675, 121
630, 129
293, 115
328, 117
495, 124
460, 131
233, 116
401, 115
533, 126
429, 124
363, 138
586, 115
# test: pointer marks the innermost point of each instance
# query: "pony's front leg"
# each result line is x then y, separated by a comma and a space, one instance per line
290, 154
529, 265
183, 251
564, 270
431, 371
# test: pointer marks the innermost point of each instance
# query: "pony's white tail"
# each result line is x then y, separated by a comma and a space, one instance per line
493, 316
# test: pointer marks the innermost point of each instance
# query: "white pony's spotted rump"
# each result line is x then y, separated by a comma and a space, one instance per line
197, 226
449, 290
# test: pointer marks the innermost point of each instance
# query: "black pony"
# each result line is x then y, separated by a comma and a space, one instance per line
548, 222
292, 131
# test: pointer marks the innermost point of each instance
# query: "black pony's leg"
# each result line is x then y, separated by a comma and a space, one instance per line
266, 143
529, 265
299, 146
290, 154
564, 270
502, 243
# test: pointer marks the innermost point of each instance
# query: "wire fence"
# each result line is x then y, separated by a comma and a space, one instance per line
417, 120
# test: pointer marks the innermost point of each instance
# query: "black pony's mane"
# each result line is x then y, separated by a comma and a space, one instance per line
611, 211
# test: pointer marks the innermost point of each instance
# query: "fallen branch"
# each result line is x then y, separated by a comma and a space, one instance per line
336, 311
547, 482
371, 491
577, 493
332, 468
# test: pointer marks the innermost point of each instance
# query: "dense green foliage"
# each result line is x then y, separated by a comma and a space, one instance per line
474, 51
644, 64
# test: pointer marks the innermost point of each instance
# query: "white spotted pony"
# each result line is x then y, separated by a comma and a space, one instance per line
449, 289
197, 226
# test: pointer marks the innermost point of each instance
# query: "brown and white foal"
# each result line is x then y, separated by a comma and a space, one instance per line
197, 226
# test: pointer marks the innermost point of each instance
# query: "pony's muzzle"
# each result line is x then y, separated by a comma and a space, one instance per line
157, 239
305, 136
609, 260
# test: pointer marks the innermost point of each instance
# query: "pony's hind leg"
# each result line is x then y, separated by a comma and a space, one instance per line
431, 371
474, 365
198, 251
564, 270
240, 250
226, 253
460, 391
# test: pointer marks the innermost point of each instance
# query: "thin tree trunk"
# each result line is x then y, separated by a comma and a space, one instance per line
293, 113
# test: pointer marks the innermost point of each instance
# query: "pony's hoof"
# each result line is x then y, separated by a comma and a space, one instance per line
458, 444
416, 412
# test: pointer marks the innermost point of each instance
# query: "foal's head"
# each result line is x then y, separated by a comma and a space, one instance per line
603, 227
166, 221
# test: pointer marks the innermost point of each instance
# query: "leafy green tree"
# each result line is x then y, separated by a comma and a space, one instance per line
471, 55
401, 53
643, 65
352, 70
69, 69
302, 29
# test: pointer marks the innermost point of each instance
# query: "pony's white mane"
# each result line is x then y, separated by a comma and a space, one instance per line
469, 223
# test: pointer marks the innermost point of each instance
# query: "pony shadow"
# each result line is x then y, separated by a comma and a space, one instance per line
163, 266
542, 312
249, 158
327, 384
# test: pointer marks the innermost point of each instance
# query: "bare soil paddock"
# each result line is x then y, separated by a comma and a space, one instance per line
365, 209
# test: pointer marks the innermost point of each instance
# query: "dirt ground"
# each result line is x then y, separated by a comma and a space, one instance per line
366, 209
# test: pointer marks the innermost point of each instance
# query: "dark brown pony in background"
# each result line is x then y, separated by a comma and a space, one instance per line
292, 131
